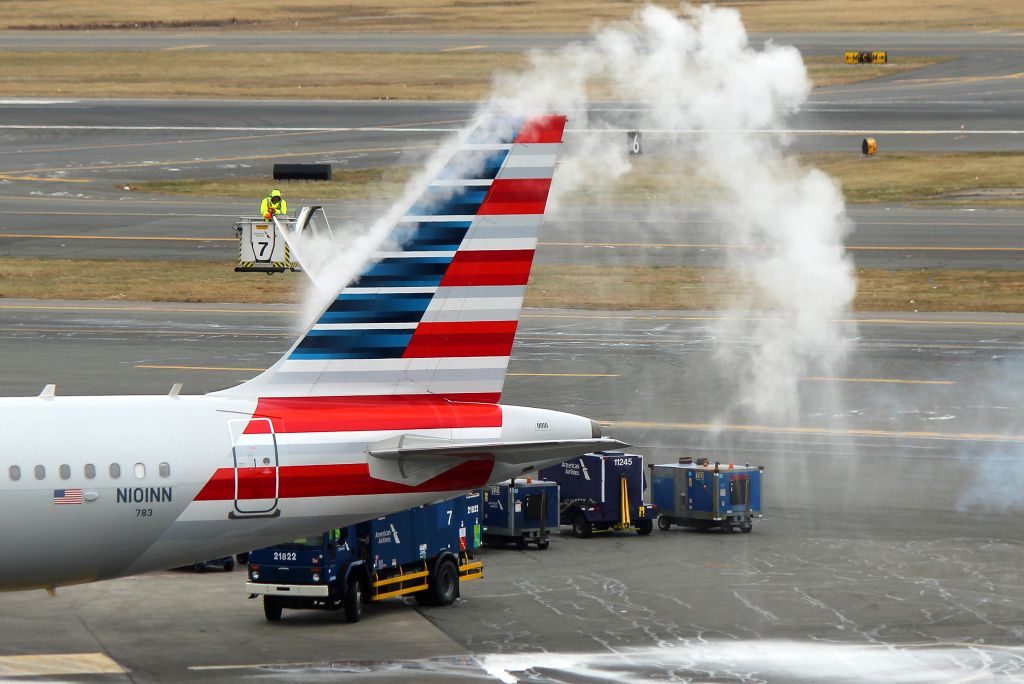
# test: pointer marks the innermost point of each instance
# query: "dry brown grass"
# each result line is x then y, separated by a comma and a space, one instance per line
669, 287
142, 280
927, 176
379, 183
455, 16
830, 71
910, 177
551, 286
305, 75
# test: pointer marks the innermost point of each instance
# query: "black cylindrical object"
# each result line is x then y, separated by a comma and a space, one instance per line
314, 172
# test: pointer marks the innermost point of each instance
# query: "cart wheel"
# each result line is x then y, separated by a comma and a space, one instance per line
521, 542
543, 543
271, 609
445, 587
353, 600
746, 526
644, 527
581, 526
663, 523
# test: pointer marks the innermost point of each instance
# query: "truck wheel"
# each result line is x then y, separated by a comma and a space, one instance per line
229, 565
353, 600
543, 543
444, 585
424, 597
581, 526
726, 527
271, 609
521, 543
644, 527
746, 526
663, 523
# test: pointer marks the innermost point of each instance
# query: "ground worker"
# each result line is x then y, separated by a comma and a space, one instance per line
273, 205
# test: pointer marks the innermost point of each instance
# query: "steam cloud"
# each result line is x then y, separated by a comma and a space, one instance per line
698, 74
698, 77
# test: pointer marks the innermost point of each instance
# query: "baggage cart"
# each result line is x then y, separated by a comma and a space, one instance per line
705, 495
520, 512
602, 492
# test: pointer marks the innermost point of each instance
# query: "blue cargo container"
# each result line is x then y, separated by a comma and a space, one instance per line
423, 552
520, 512
705, 495
602, 491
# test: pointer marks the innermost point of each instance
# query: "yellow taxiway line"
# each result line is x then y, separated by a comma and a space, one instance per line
229, 368
883, 380
463, 47
58, 665
583, 317
564, 375
86, 307
117, 237
183, 47
841, 432
849, 248
37, 179
201, 368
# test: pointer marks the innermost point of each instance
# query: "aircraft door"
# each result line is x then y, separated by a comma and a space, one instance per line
257, 479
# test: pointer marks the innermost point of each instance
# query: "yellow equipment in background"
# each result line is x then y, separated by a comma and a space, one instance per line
866, 57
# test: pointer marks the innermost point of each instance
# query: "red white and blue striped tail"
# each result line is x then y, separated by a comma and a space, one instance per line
438, 314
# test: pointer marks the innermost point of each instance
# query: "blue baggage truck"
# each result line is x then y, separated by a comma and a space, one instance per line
423, 552
520, 512
704, 495
601, 492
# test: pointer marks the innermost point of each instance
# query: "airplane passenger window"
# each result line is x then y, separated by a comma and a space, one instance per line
165, 470
65, 472
40, 472
14, 472
90, 470
140, 471
115, 470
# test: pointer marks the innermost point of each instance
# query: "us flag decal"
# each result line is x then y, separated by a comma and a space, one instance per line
67, 496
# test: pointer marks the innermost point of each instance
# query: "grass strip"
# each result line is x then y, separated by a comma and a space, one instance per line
492, 16
464, 76
378, 183
936, 177
551, 286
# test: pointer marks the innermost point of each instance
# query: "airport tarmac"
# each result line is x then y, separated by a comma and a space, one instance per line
890, 551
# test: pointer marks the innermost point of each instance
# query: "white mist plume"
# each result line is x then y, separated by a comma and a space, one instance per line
698, 76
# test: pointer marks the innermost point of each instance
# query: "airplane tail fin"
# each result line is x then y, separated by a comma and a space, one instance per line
437, 314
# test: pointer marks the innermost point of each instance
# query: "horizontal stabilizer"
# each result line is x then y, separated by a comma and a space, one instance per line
413, 446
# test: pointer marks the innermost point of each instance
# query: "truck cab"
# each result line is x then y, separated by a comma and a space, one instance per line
318, 571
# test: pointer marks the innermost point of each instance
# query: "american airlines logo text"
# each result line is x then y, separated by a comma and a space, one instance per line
143, 494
